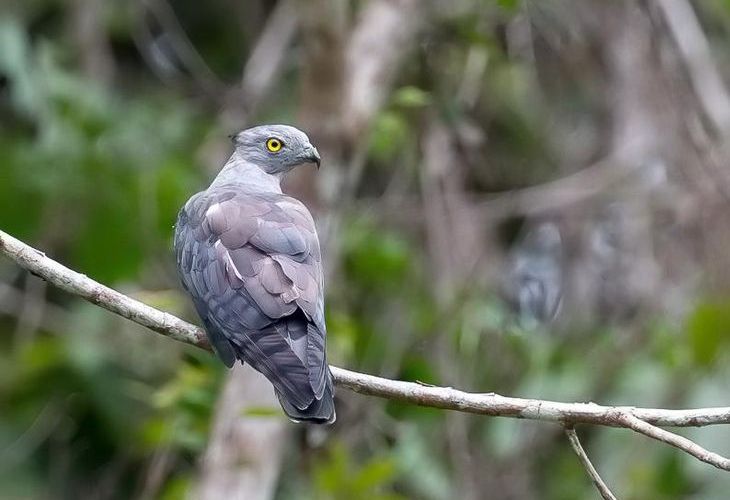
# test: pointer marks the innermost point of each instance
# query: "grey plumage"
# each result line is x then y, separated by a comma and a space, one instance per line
534, 281
249, 256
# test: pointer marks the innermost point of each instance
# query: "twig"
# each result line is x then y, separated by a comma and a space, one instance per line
183, 46
266, 58
385, 32
696, 55
43, 426
708, 89
592, 472
573, 189
681, 442
408, 392
78, 284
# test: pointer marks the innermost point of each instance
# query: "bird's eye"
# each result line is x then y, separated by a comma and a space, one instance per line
274, 144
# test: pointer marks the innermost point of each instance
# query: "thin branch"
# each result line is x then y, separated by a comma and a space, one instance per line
592, 472
386, 30
183, 46
696, 54
573, 189
681, 442
79, 284
43, 426
268, 54
495, 405
408, 392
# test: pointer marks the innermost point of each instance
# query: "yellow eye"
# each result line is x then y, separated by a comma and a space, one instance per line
273, 144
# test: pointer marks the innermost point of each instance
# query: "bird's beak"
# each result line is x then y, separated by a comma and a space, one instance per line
313, 156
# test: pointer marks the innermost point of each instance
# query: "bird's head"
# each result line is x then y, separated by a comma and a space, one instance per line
275, 148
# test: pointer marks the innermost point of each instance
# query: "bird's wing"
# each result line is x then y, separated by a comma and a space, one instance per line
253, 266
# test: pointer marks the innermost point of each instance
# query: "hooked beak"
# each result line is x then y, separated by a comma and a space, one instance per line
313, 156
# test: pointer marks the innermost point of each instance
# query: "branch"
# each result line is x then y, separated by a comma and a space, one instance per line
183, 47
385, 32
677, 441
75, 283
592, 472
573, 189
696, 55
264, 65
408, 392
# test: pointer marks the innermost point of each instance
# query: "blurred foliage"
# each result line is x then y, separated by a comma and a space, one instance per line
95, 174
709, 331
337, 477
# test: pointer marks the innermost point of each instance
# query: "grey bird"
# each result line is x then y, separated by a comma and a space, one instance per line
249, 256
534, 281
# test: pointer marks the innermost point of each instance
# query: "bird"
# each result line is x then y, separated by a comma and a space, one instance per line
249, 256
534, 280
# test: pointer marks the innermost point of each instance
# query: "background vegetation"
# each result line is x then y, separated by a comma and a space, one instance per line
522, 197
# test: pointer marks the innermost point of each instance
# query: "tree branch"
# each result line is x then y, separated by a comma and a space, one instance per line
677, 441
696, 55
79, 284
592, 472
408, 392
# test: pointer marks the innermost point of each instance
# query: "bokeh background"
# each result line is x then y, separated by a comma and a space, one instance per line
518, 196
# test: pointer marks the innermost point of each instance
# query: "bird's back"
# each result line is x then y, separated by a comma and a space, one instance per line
251, 262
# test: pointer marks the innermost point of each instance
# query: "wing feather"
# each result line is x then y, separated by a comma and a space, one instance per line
253, 266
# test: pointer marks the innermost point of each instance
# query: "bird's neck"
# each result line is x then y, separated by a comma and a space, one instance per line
239, 172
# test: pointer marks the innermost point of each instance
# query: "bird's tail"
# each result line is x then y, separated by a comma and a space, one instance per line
321, 411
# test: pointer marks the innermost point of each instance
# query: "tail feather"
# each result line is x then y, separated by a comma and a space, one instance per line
321, 411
